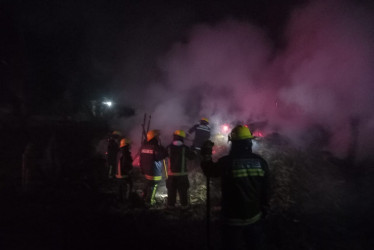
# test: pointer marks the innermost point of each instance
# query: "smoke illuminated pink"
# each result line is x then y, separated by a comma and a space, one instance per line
322, 78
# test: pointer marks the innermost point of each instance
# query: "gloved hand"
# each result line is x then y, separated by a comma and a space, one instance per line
206, 150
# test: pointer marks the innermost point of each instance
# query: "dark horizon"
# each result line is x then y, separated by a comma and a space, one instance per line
80, 50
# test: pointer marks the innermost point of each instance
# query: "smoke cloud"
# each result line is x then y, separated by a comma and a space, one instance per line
231, 71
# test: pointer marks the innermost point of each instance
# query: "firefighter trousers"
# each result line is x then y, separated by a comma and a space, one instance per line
124, 188
249, 237
150, 192
180, 185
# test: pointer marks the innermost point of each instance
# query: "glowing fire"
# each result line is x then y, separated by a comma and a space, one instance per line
258, 134
225, 128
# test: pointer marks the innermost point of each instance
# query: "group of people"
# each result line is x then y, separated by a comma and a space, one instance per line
244, 177
154, 160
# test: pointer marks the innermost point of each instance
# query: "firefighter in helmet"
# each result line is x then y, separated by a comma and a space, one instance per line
177, 181
124, 170
152, 155
244, 188
111, 153
202, 133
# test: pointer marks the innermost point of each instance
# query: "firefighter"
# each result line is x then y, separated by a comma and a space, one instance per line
152, 155
177, 181
111, 153
244, 188
124, 170
202, 133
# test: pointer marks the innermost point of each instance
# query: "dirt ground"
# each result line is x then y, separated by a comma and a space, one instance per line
318, 202
77, 216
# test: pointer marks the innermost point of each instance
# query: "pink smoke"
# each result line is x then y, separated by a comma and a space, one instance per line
229, 72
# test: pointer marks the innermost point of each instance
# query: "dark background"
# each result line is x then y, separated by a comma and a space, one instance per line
56, 56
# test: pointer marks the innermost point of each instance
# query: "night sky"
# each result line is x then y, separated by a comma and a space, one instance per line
81, 50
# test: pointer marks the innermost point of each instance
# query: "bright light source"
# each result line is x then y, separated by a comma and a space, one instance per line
109, 104
258, 134
225, 128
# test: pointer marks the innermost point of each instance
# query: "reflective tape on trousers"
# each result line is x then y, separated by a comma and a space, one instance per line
121, 176
153, 178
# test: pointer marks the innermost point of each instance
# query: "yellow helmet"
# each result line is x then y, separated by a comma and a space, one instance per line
240, 132
204, 119
180, 133
152, 134
124, 142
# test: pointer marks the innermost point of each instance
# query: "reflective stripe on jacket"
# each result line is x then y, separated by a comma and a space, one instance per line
242, 222
151, 164
244, 186
202, 134
178, 155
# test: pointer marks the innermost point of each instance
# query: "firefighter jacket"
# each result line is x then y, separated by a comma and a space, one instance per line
151, 160
202, 134
124, 165
244, 186
178, 155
